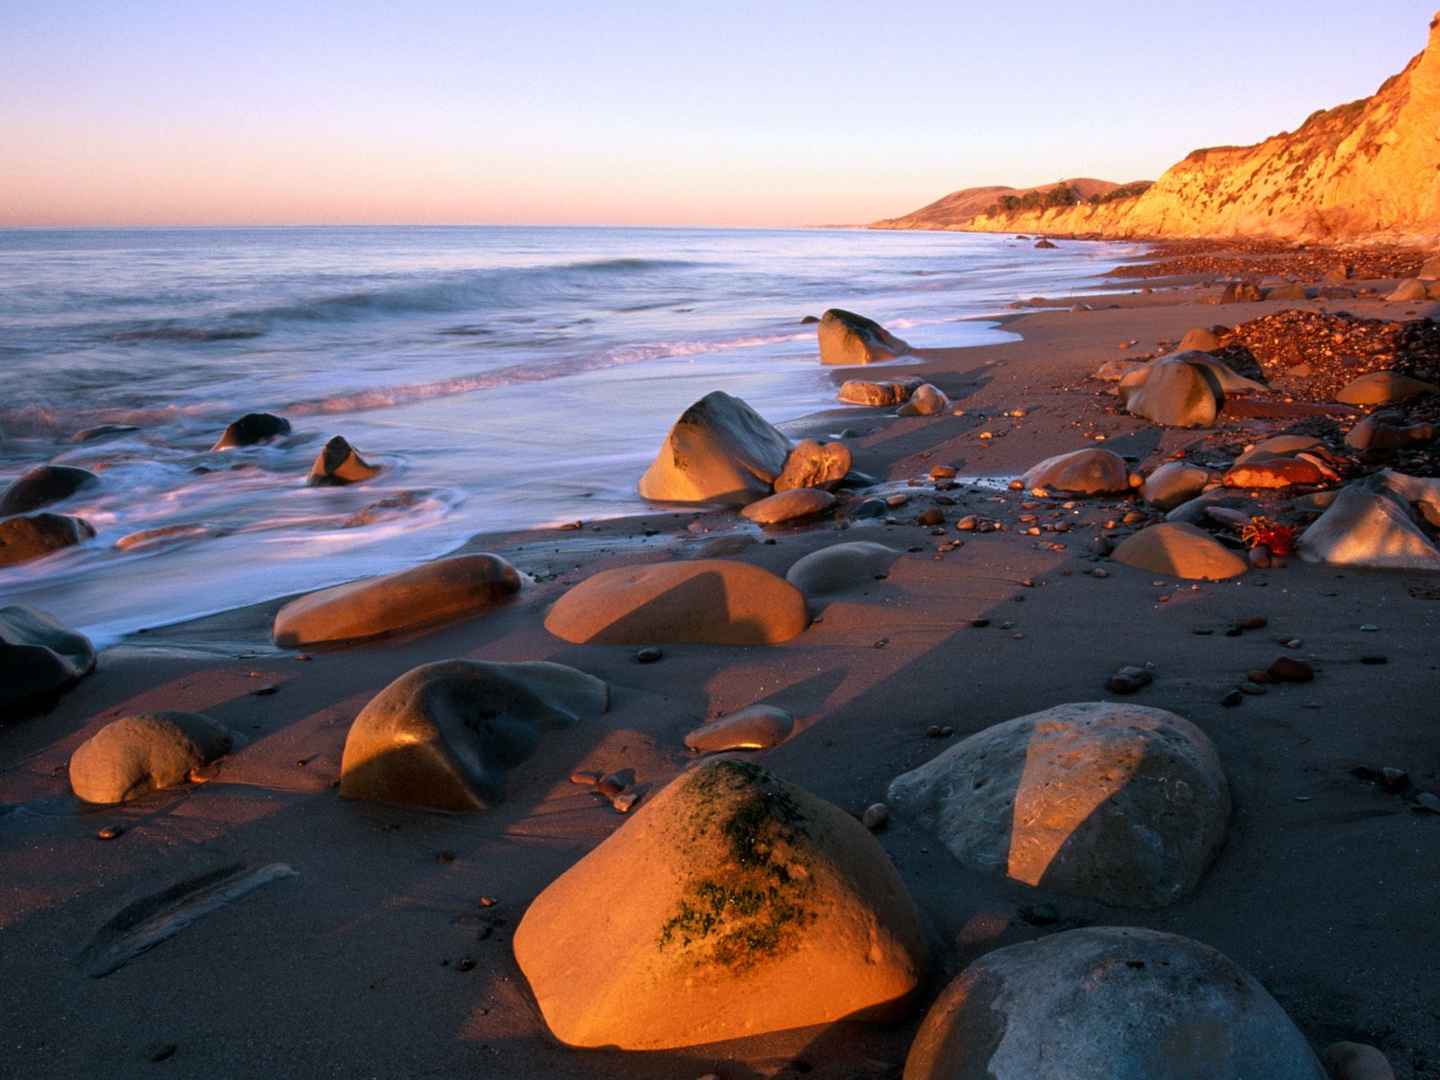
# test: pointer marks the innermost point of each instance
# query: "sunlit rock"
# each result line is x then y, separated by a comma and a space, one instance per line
927, 400
23, 539
1368, 525
252, 428
758, 727
797, 504
136, 754
814, 464
720, 450
339, 464
1179, 550
1091, 471
1174, 483
1176, 394
846, 339
889, 392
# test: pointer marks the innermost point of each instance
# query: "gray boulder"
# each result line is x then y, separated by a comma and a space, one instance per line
840, 567
43, 485
137, 754
38, 656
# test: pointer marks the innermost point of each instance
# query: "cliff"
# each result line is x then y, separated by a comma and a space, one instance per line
959, 208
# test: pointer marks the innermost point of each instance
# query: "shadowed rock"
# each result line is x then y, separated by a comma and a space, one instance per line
340, 464
433, 592
890, 392
720, 450
38, 656
1177, 394
1408, 291
794, 505
137, 754
1081, 472
840, 567
1229, 380
758, 727
1384, 388
25, 538
1179, 550
1108, 1003
1356, 1061
748, 906
43, 485
444, 734
846, 338
1281, 445
1369, 525
704, 602
814, 464
927, 400
1241, 292
1174, 483
252, 428
1379, 432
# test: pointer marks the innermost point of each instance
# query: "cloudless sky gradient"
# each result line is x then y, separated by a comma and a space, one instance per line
741, 113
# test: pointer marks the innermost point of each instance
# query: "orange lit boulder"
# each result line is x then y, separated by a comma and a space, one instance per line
1176, 394
1179, 550
1121, 803
1091, 471
1174, 483
135, 754
720, 450
38, 656
814, 464
1278, 471
796, 504
339, 464
758, 727
23, 539
1384, 388
432, 592
890, 392
846, 338
732, 904
927, 400
703, 602
1108, 1003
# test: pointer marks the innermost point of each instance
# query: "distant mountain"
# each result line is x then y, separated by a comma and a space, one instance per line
1369, 170
959, 208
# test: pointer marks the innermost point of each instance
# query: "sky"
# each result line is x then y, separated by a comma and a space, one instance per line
735, 113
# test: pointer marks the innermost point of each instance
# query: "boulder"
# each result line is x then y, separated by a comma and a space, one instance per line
25, 538
443, 735
1121, 803
1356, 1061
927, 400
1120, 370
1177, 394
814, 464
38, 656
1241, 292
43, 485
433, 592
252, 428
1367, 525
1197, 510
1179, 550
1229, 380
1279, 445
846, 338
758, 727
1201, 339
1338, 274
339, 464
1091, 471
840, 567
1378, 432
720, 450
1292, 290
1277, 471
732, 904
793, 505
704, 602
1045, 245
1108, 1003
1384, 388
1408, 291
1430, 271
890, 392
1174, 483
136, 754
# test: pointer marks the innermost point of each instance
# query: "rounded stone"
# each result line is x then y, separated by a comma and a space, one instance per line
252, 428
1275, 471
136, 754
840, 566
1174, 483
720, 450
1356, 1061
24, 539
795, 504
339, 464
1176, 394
1081, 472
814, 464
38, 656
758, 727
1384, 388
927, 400
889, 392
1179, 550
43, 485
847, 339
1368, 525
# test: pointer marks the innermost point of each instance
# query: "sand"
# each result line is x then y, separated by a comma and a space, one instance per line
378, 958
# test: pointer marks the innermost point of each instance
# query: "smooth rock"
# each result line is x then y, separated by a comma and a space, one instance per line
1129, 679
1177, 394
339, 464
1119, 370
1291, 290
443, 735
1368, 525
37, 535
252, 428
1241, 292
1356, 1061
748, 906
793, 505
846, 338
1377, 432
840, 567
1271, 471
927, 400
38, 656
136, 754
1174, 483
1179, 550
705, 601
1081, 472
758, 727
890, 392
1280, 446
43, 485
1197, 510
1122, 803
1200, 339
1384, 388
1229, 380
720, 450
1408, 291
433, 592
814, 464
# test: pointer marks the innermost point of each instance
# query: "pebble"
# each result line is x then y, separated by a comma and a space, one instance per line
980, 623
625, 801
1251, 622
1129, 679
933, 731
1099, 572
896, 501
1369, 628
465, 963
871, 508
932, 517
616, 782
942, 472
1288, 669
586, 777
648, 655
875, 817
110, 832
967, 523
1016, 485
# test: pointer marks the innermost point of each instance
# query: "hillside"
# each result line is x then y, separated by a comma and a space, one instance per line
959, 208
1366, 171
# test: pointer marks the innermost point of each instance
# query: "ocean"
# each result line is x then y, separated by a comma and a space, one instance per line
502, 377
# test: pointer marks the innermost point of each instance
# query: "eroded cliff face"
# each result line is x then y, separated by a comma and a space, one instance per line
1367, 171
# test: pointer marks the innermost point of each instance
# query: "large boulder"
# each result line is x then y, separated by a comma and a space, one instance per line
720, 450
1384, 388
25, 538
136, 754
43, 485
443, 735
252, 428
840, 567
1108, 1003
1081, 472
1229, 380
814, 464
732, 904
1121, 803
889, 392
430, 593
1368, 525
927, 400
38, 656
1177, 394
1380, 432
338, 464
797, 504
1179, 550
1408, 291
704, 602
1174, 483
846, 338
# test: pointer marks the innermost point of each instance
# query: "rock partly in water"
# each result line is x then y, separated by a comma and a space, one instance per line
38, 657
1081, 472
840, 567
847, 339
43, 485
433, 592
1122, 803
338, 464
136, 754
703, 602
1174, 483
1177, 394
748, 906
889, 392
36, 535
252, 428
1045, 245
797, 504
758, 727
445, 734
720, 450
1108, 1003
1384, 388
927, 400
1179, 550
814, 464
1369, 525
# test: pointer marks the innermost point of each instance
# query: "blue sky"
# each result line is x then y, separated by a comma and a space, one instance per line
739, 113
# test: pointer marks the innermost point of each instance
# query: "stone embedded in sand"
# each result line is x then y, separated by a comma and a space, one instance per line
793, 505
38, 656
1377, 432
1356, 1061
135, 754
252, 428
443, 735
927, 400
1281, 445
339, 464
1081, 472
704, 602
720, 450
758, 727
1197, 510
1368, 525
1241, 292
890, 392
1108, 1003
1174, 483
432, 592
1409, 290
25, 538
1179, 550
748, 906
846, 338
1276, 471
43, 485
1384, 388
814, 464
1201, 339
1177, 394
1122, 803
841, 566
1291, 290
